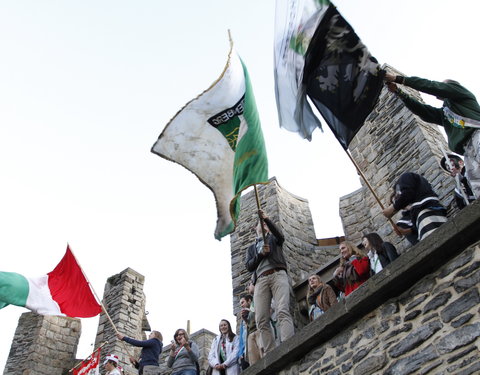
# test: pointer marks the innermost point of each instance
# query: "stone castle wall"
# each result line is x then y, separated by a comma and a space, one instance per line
43, 345
392, 141
420, 315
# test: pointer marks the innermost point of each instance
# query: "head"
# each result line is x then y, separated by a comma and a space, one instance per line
372, 241
111, 361
226, 329
455, 165
347, 249
179, 333
314, 282
155, 335
245, 301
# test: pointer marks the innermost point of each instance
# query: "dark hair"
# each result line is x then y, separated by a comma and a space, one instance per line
375, 242
177, 332
247, 297
230, 333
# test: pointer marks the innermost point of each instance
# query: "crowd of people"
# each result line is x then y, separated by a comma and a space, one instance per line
265, 317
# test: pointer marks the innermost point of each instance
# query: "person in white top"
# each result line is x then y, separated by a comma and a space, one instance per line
224, 351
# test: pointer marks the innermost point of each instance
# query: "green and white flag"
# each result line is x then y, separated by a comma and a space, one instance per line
217, 136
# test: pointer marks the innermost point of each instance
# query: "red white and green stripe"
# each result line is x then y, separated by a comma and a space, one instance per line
64, 291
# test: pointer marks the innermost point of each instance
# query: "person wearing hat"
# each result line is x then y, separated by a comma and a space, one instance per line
110, 364
455, 167
427, 213
151, 349
459, 116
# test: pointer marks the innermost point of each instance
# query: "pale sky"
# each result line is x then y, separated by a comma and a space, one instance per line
87, 87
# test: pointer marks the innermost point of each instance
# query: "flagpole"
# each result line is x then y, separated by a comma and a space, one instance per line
79, 363
395, 228
98, 300
258, 206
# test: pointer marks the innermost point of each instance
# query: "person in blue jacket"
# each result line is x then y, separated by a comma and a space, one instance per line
151, 349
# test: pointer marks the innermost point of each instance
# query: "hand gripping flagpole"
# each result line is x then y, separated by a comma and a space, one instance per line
99, 301
394, 226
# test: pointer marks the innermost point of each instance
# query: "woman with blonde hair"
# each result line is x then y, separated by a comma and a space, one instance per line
320, 297
354, 268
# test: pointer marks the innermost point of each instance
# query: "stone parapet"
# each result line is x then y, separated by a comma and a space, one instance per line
43, 345
419, 315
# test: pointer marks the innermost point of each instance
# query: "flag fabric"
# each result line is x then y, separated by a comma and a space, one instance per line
90, 366
64, 291
217, 136
319, 55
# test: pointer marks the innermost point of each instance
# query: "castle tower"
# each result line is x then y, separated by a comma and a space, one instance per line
392, 141
124, 300
292, 215
43, 345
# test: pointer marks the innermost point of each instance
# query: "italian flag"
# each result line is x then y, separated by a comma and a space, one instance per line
217, 136
64, 291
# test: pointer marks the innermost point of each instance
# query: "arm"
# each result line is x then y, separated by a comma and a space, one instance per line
424, 111
253, 258
212, 357
443, 90
331, 296
143, 344
233, 355
276, 233
362, 267
390, 251
193, 351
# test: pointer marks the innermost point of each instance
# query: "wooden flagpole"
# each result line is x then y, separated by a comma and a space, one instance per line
79, 363
395, 228
258, 206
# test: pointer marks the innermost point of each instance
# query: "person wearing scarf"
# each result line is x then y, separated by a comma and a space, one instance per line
320, 297
184, 354
224, 351
354, 268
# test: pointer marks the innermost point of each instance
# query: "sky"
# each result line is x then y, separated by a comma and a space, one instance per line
87, 87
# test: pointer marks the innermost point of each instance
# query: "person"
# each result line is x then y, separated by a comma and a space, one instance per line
184, 354
251, 339
110, 365
380, 253
354, 268
404, 225
151, 349
427, 212
459, 116
463, 192
223, 355
269, 267
320, 297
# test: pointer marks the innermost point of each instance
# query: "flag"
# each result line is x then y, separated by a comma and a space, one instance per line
64, 291
217, 136
318, 54
90, 366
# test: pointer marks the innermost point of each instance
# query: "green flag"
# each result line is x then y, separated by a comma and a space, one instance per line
218, 137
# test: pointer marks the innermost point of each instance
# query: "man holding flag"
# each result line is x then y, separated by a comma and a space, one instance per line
459, 116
